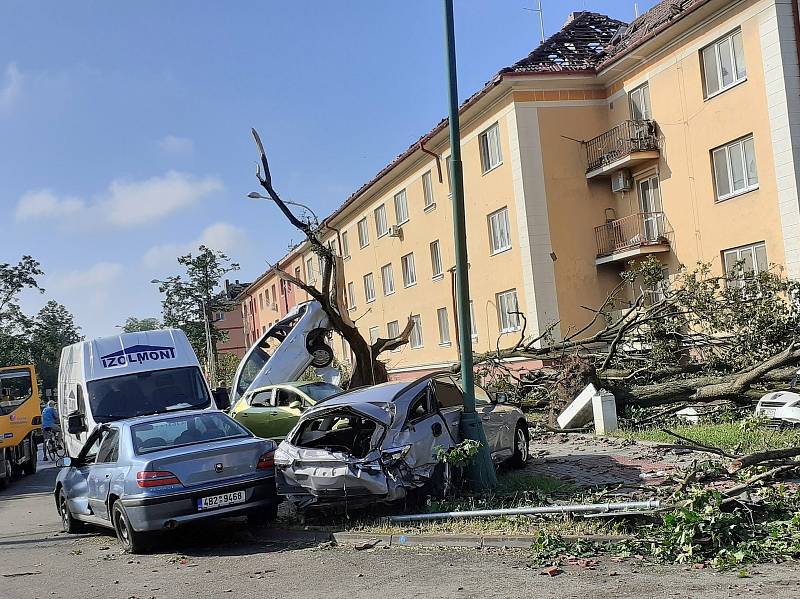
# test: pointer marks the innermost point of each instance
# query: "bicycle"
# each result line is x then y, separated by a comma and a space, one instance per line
54, 445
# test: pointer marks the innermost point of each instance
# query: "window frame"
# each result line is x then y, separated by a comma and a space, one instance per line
752, 248
390, 269
436, 260
473, 323
718, 64
377, 331
382, 210
351, 295
490, 219
492, 131
363, 240
345, 246
310, 278
403, 197
445, 339
501, 303
732, 193
417, 320
371, 278
391, 335
413, 270
644, 91
429, 200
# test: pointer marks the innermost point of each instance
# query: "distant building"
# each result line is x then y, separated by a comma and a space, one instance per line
231, 322
676, 136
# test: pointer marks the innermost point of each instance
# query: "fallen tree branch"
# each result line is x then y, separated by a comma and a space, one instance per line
762, 456
732, 493
697, 446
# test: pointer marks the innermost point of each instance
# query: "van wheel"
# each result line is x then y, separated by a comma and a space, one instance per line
131, 541
6, 472
521, 450
68, 523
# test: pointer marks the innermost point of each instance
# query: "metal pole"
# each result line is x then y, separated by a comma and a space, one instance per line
480, 471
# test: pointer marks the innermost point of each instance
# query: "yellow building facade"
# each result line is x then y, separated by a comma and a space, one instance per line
675, 136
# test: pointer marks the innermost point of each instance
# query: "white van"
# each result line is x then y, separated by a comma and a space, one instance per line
127, 375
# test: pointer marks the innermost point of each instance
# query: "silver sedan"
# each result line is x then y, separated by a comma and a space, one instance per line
382, 442
154, 473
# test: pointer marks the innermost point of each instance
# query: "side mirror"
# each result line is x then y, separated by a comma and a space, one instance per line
295, 405
76, 423
222, 398
63, 462
501, 397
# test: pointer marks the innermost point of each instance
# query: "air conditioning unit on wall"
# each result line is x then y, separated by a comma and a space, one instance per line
395, 231
621, 181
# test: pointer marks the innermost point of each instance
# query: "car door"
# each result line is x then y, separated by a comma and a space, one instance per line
256, 416
450, 403
76, 480
425, 430
495, 421
102, 471
288, 408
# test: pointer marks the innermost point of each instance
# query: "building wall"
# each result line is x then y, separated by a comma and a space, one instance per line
233, 325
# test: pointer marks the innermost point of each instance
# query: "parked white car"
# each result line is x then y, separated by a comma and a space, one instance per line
781, 407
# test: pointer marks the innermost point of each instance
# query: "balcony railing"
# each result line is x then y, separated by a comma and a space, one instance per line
639, 230
629, 137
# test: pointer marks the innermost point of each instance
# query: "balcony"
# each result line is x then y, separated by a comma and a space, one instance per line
631, 236
625, 145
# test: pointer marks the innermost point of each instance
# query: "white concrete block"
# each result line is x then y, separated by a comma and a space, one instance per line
604, 411
579, 412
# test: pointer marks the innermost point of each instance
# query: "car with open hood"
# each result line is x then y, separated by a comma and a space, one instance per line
155, 473
382, 442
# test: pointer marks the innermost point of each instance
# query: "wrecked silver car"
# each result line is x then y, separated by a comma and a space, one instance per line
382, 442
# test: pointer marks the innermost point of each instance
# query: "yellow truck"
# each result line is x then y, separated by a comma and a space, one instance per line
20, 422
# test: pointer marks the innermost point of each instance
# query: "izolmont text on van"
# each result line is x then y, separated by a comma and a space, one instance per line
127, 375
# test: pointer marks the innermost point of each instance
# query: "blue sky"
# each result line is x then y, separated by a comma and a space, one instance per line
125, 126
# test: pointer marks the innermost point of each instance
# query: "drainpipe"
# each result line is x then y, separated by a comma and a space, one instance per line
796, 18
436, 156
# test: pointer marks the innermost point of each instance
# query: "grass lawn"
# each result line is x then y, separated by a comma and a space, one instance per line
732, 437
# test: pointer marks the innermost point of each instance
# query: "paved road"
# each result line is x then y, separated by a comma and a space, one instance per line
226, 559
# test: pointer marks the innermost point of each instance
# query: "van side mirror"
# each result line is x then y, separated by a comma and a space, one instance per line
76, 424
222, 398
501, 397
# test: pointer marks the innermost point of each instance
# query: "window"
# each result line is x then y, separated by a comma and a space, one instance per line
472, 325
416, 332
640, 103
409, 274
427, 190
387, 274
363, 233
266, 296
656, 291
109, 447
297, 276
401, 206
285, 397
499, 231
491, 155
381, 227
345, 350
447, 174
310, 271
373, 334
444, 326
351, 295
652, 218
393, 331
753, 259
260, 301
506, 308
332, 247
345, 246
448, 394
369, 287
723, 64
735, 168
192, 429
436, 260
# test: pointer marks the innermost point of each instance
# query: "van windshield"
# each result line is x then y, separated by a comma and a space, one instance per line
150, 392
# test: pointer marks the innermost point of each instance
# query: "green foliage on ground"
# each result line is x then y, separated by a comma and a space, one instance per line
733, 437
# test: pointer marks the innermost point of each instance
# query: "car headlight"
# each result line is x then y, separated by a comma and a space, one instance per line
395, 454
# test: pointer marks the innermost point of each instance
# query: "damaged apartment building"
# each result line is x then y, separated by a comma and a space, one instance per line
608, 143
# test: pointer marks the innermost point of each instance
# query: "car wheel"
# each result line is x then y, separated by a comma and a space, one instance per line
131, 541
68, 523
521, 450
30, 467
321, 356
263, 516
6, 474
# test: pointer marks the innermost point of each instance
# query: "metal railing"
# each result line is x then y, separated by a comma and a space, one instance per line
630, 232
626, 138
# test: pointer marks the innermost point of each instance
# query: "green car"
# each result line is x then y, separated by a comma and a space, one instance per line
272, 411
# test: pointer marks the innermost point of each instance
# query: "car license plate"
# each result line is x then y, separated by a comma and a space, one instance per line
222, 500
768, 412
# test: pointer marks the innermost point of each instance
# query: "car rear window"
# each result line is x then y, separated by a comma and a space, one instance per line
321, 391
184, 430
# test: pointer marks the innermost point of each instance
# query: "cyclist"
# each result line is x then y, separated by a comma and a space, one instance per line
49, 423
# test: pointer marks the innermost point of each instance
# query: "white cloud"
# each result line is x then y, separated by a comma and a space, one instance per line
172, 144
10, 87
45, 204
223, 237
126, 203
96, 278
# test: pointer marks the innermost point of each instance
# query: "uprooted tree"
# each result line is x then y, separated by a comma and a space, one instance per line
368, 369
695, 338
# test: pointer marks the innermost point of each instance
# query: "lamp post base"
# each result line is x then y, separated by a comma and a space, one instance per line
480, 472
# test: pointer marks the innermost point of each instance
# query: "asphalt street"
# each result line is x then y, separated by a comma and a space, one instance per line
227, 559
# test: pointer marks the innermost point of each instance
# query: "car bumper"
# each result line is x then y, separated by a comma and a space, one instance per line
170, 511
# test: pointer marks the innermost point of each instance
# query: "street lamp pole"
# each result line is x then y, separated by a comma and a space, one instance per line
480, 472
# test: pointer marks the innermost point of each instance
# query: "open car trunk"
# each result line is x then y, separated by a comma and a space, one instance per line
334, 455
